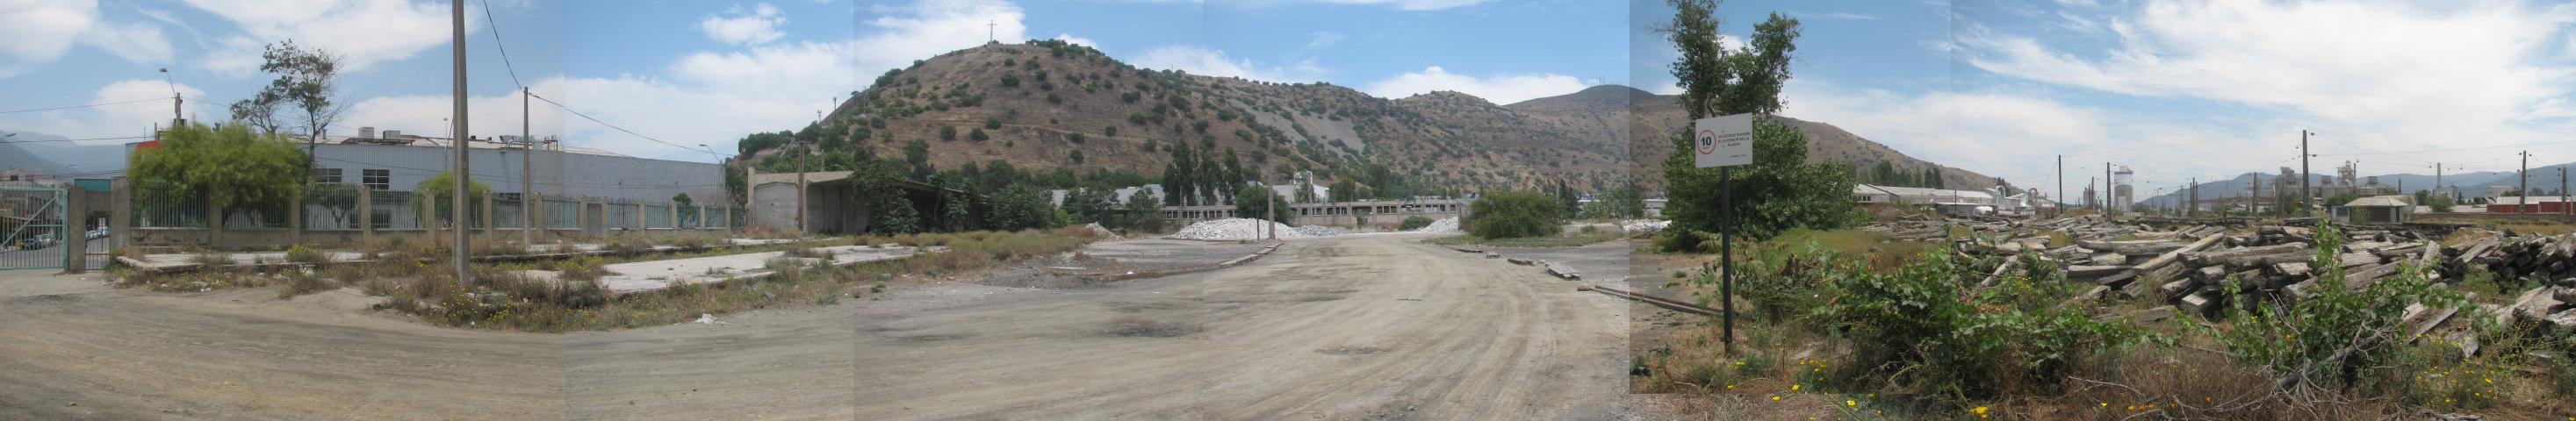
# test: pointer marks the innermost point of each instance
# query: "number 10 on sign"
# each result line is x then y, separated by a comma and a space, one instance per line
1723, 141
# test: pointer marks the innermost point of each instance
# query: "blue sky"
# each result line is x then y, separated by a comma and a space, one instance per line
2177, 89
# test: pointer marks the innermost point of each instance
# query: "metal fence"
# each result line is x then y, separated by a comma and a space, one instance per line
507, 213
562, 214
621, 216
32, 228
657, 216
394, 211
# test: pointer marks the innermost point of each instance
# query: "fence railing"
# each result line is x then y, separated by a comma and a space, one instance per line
166, 207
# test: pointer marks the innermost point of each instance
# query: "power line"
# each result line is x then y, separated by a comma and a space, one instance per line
569, 109
2174, 144
83, 106
76, 140
495, 25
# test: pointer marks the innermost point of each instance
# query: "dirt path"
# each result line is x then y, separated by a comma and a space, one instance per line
1353, 327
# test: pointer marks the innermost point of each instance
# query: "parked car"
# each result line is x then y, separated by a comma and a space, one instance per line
98, 233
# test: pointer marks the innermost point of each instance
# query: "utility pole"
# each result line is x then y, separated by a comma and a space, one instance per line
2061, 187
2306, 193
2193, 205
2108, 189
2565, 206
464, 274
527, 177
2522, 191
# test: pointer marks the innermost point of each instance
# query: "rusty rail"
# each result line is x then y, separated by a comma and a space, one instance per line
1667, 303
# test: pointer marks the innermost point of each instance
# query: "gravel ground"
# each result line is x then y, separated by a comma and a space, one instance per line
1444, 225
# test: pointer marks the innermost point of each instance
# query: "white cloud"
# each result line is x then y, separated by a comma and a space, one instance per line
120, 120
362, 32
1324, 39
39, 31
738, 27
1503, 89
1070, 39
2372, 65
426, 115
136, 42
930, 27
1414, 4
1202, 61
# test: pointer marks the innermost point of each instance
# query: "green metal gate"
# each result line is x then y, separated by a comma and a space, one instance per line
32, 228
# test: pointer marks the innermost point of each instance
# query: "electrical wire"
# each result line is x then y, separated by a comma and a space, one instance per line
569, 109
102, 104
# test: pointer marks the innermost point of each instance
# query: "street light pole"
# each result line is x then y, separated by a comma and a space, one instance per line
456, 202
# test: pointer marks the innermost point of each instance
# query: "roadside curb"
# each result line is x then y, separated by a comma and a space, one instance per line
1157, 273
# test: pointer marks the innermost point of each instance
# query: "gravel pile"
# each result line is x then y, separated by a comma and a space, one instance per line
1234, 229
1643, 226
1442, 225
1318, 231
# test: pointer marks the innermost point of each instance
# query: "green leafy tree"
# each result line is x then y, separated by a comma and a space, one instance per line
1778, 191
1249, 203
339, 199
1024, 206
685, 208
1514, 214
229, 168
442, 187
1144, 211
307, 79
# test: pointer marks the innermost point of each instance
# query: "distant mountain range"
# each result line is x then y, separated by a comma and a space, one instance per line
55, 155
2471, 184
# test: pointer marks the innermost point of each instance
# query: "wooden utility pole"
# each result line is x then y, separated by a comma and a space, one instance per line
527, 177
2307, 193
456, 198
2061, 187
2522, 190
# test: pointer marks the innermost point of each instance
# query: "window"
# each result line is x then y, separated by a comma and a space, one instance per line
378, 180
326, 175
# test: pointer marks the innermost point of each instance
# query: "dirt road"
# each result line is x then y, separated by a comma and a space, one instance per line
1352, 327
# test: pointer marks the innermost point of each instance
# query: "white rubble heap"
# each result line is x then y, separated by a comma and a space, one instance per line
1442, 225
1235, 229
1318, 231
1643, 226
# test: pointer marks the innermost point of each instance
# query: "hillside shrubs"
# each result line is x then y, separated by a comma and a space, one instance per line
1413, 223
1514, 214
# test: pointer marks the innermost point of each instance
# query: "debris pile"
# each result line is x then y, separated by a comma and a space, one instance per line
1643, 227
2527, 259
1444, 225
1235, 229
1318, 231
1102, 232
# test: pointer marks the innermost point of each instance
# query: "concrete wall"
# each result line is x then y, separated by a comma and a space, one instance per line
558, 173
1343, 214
773, 206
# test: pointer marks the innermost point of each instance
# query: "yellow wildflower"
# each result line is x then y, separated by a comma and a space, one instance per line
1848, 402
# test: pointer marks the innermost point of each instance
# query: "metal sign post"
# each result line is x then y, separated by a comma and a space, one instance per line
1725, 142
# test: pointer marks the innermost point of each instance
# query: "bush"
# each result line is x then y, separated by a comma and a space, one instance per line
947, 133
993, 122
1779, 191
306, 255
978, 135
1916, 326
1413, 223
2335, 335
1514, 214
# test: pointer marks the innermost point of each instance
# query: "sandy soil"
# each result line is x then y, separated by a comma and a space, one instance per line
1359, 327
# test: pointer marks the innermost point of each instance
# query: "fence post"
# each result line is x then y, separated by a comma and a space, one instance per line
214, 220
639, 215
366, 214
534, 204
486, 218
295, 217
75, 218
120, 210
673, 215
429, 218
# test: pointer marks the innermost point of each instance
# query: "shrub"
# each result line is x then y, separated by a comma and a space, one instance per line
1413, 223
1513, 215
306, 255
978, 135
992, 122
1076, 137
2335, 334
947, 133
1916, 326
1010, 80
299, 283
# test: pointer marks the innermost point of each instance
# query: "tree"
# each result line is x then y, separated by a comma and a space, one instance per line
307, 79
1514, 214
338, 198
1090, 205
685, 208
917, 156
947, 133
259, 112
228, 168
1777, 191
1144, 211
442, 188
1249, 204
1020, 207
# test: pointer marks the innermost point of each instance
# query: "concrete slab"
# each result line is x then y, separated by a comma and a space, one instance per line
658, 274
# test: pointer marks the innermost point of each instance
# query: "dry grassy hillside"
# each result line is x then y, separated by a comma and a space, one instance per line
1597, 113
1046, 105
1040, 104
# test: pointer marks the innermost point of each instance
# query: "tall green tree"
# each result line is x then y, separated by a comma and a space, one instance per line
229, 168
441, 188
1778, 191
1250, 204
308, 79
